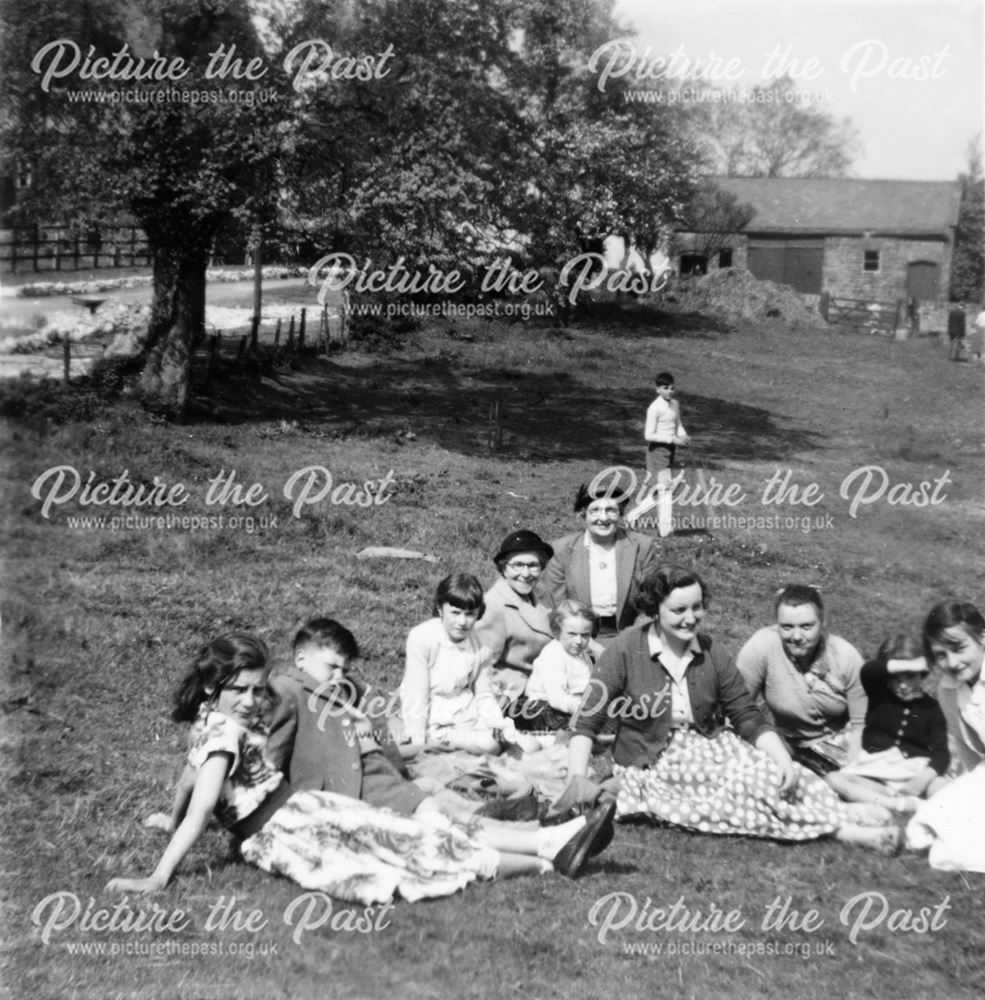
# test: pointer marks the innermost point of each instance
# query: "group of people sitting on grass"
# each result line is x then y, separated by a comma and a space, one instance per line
591, 644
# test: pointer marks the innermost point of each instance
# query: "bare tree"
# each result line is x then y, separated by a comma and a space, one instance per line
775, 132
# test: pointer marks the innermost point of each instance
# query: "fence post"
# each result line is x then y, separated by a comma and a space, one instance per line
254, 331
67, 352
277, 333
495, 426
214, 352
304, 313
290, 334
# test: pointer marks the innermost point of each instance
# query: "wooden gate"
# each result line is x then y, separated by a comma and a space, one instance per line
862, 314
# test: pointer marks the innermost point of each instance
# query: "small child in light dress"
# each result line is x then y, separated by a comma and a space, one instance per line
904, 743
446, 694
561, 672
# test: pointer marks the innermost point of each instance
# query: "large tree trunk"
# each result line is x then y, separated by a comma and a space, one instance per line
177, 319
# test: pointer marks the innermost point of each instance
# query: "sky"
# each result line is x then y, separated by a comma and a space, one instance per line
868, 57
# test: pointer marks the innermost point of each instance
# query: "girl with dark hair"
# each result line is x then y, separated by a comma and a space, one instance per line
904, 744
951, 823
321, 840
446, 694
670, 690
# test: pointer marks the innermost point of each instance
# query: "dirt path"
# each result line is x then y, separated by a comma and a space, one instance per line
19, 312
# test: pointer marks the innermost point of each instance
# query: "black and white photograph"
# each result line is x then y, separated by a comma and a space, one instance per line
493, 497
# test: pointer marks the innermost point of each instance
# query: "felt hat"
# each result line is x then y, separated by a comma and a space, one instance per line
523, 541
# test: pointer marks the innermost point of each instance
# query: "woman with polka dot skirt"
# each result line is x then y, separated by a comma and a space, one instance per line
669, 691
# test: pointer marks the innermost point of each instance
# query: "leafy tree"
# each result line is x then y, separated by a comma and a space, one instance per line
484, 130
488, 132
773, 134
595, 162
172, 154
968, 265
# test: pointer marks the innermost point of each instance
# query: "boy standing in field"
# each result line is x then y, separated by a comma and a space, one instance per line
663, 432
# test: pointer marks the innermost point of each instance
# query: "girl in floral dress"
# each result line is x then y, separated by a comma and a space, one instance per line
321, 840
670, 690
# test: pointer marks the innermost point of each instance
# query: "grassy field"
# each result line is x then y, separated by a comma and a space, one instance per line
99, 622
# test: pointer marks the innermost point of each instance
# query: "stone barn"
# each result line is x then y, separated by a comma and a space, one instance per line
858, 239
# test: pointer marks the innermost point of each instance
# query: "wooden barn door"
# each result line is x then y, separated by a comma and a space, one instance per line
922, 280
798, 263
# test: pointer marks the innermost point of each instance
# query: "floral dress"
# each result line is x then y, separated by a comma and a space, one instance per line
334, 843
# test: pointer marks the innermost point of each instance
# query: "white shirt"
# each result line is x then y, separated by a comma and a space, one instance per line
680, 700
602, 577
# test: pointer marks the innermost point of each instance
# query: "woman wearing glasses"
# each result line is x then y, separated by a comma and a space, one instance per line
515, 626
809, 680
602, 565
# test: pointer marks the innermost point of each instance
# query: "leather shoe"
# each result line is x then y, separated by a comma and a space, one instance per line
591, 839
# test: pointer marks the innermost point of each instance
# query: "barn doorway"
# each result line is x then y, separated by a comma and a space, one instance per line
798, 263
922, 280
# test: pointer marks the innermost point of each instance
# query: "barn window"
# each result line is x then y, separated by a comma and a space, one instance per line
725, 258
870, 260
693, 264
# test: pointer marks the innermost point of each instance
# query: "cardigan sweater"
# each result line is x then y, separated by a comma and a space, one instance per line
805, 705
568, 575
967, 742
917, 727
635, 689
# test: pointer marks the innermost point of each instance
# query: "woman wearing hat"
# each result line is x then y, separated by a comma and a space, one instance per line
515, 626
602, 565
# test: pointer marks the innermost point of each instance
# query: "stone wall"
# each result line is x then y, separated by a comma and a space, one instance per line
844, 276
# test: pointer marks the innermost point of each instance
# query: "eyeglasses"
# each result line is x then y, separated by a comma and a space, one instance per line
533, 568
612, 511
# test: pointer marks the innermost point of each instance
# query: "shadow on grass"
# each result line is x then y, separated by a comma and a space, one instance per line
482, 410
626, 316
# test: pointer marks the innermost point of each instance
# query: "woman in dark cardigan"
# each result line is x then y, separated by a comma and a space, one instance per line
670, 691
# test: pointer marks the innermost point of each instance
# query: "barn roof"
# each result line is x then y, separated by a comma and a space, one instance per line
847, 206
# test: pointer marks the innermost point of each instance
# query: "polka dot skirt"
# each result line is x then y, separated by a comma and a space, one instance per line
724, 785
